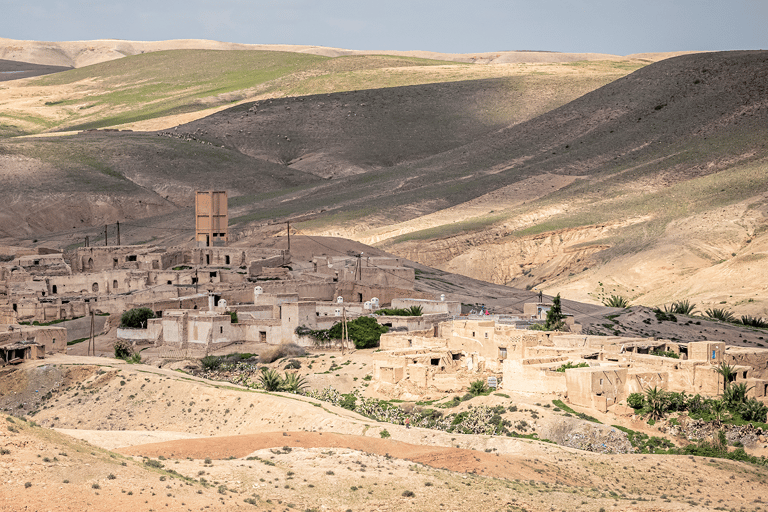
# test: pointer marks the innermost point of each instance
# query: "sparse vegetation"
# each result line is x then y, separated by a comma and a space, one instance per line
721, 314
570, 365
616, 301
281, 351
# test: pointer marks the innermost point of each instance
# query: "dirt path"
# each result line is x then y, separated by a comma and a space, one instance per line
452, 459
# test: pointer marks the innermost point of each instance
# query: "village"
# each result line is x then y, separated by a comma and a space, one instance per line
213, 298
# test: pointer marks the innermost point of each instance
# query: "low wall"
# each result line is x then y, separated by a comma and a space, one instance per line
81, 327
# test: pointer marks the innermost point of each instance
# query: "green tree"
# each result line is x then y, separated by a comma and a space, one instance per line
657, 402
364, 331
136, 318
727, 371
555, 317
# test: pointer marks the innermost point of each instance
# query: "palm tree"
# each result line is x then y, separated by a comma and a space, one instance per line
736, 395
727, 371
293, 383
270, 380
657, 401
719, 409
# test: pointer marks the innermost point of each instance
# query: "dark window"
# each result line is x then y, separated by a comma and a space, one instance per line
169, 282
114, 283
132, 257
226, 260
95, 287
213, 274
435, 362
194, 280
455, 357
37, 262
54, 289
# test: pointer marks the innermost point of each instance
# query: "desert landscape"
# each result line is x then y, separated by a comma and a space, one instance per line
454, 202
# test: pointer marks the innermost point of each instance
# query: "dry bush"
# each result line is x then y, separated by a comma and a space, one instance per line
280, 351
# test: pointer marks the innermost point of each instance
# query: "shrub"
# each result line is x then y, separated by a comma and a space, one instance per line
210, 362
665, 353
233, 317
721, 314
364, 331
293, 383
280, 351
270, 380
754, 321
636, 400
682, 307
27, 485
409, 494
136, 318
754, 410
662, 316
570, 365
124, 350
478, 387
385, 434
616, 301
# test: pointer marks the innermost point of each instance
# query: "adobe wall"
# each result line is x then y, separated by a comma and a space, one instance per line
53, 339
522, 377
451, 308
758, 360
596, 387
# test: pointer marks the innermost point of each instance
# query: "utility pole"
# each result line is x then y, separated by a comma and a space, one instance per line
289, 236
91, 344
344, 333
106, 240
118, 233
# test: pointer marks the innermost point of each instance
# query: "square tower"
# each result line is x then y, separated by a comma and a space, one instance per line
211, 219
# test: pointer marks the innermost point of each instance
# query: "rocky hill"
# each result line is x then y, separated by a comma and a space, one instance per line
651, 186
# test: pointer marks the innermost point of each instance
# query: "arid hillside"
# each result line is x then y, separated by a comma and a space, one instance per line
589, 178
101, 435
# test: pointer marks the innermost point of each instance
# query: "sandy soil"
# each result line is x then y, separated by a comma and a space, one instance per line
288, 452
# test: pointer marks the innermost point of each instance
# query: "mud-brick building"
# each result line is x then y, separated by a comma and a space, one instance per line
19, 342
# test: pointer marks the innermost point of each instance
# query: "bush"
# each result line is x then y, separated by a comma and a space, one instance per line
210, 362
478, 387
233, 317
662, 316
754, 321
364, 331
636, 400
409, 494
270, 380
293, 383
569, 365
665, 353
385, 434
136, 318
124, 350
682, 307
616, 301
280, 351
753, 410
721, 314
